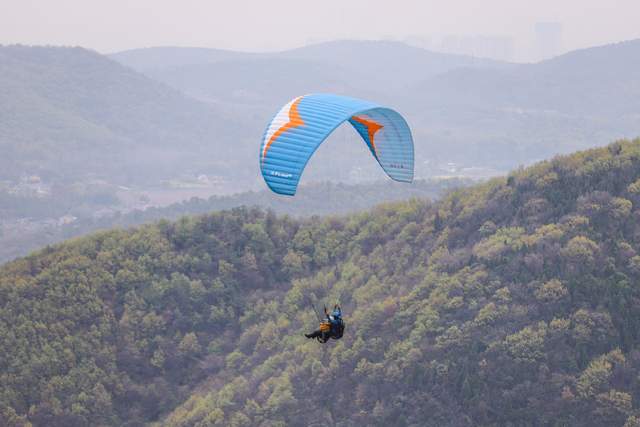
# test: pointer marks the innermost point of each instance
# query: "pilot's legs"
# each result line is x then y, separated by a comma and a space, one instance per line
314, 334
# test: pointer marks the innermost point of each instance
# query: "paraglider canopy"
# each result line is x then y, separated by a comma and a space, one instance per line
304, 123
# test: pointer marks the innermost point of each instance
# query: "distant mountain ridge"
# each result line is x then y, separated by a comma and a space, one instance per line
463, 110
531, 111
364, 67
70, 113
339, 51
145, 59
599, 81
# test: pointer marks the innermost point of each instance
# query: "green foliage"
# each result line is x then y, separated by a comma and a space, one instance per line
502, 313
551, 291
501, 243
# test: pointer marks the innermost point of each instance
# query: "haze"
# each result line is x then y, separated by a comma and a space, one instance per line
283, 24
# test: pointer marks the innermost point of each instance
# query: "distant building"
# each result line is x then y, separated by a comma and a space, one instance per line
548, 39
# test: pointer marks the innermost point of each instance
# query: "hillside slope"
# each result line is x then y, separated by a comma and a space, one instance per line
532, 111
155, 58
71, 114
20, 236
599, 81
463, 110
397, 64
263, 81
515, 302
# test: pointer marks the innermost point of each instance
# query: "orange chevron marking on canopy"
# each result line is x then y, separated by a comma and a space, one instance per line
372, 127
295, 120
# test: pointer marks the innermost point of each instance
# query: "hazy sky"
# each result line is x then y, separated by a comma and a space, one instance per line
112, 25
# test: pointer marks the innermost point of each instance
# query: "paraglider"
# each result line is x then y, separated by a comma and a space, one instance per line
330, 328
299, 128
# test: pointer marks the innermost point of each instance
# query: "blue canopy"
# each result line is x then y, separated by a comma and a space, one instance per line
298, 129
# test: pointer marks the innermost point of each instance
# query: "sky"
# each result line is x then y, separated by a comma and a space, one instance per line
267, 25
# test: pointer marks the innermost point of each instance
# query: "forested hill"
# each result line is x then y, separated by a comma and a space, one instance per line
515, 302
71, 114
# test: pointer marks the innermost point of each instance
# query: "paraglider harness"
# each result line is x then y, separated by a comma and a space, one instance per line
330, 328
